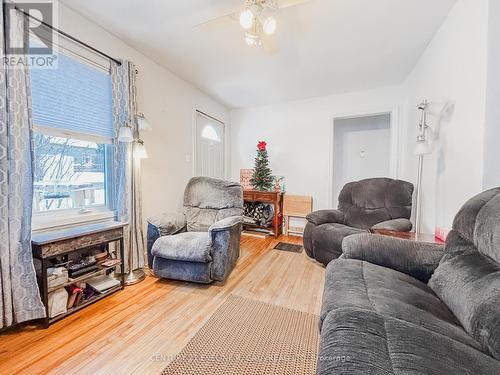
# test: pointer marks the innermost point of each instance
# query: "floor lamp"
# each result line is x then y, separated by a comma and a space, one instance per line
424, 147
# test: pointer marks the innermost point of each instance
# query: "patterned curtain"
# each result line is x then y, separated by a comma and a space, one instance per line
20, 298
127, 170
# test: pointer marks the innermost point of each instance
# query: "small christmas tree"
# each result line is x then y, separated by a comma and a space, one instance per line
262, 178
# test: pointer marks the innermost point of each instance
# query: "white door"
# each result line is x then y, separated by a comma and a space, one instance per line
209, 147
362, 149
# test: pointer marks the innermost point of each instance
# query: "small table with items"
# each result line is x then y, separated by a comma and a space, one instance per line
73, 266
412, 236
273, 197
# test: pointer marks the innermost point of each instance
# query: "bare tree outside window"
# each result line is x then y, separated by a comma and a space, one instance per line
68, 173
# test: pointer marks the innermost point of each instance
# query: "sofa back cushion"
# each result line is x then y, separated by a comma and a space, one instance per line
207, 200
467, 279
371, 201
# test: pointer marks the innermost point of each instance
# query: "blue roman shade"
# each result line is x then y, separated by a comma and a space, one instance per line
74, 97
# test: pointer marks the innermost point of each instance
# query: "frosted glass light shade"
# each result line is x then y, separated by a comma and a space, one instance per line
423, 148
436, 110
247, 19
270, 25
143, 123
252, 39
125, 134
140, 151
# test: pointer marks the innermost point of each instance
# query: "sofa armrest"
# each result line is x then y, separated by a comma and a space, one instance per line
163, 225
417, 259
325, 216
225, 224
399, 225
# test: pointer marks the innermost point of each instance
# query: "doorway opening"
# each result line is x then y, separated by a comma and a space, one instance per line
363, 147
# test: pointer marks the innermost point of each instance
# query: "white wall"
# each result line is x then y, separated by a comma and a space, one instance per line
168, 103
491, 176
361, 149
453, 68
298, 134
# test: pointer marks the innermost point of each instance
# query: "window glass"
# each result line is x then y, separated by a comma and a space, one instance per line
69, 173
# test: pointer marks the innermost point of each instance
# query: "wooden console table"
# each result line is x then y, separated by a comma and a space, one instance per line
48, 246
273, 197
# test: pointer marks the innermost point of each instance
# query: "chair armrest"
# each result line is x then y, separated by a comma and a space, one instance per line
225, 224
417, 259
163, 225
325, 216
168, 223
225, 235
399, 225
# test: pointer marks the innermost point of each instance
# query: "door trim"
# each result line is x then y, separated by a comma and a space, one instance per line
394, 167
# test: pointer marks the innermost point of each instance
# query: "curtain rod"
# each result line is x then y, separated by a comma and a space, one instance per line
70, 37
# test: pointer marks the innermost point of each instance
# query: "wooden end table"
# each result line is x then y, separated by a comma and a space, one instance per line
411, 236
273, 197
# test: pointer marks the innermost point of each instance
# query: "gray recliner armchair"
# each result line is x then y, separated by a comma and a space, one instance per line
374, 203
202, 244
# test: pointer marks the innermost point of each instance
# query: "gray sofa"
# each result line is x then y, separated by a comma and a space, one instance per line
392, 306
202, 244
378, 203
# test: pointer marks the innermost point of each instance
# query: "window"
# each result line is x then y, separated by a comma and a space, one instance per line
73, 136
69, 173
210, 145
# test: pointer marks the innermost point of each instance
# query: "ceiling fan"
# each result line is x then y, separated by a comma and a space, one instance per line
258, 18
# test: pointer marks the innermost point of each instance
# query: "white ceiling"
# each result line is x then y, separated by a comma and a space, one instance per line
321, 46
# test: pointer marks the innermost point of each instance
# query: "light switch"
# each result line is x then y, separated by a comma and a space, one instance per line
362, 154
188, 158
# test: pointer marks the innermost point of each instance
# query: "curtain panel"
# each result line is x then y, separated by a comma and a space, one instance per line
20, 298
127, 192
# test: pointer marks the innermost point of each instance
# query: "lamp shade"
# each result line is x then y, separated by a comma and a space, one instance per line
436, 110
423, 148
125, 134
143, 123
140, 150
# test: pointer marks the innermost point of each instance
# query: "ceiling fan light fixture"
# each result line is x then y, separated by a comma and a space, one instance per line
270, 25
252, 39
258, 19
247, 19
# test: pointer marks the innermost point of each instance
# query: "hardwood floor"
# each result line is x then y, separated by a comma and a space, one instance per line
136, 331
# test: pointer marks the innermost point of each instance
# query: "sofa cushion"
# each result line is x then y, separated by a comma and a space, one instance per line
469, 283
468, 276
360, 341
361, 285
187, 246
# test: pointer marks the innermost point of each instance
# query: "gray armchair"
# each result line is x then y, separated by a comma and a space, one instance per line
203, 243
375, 203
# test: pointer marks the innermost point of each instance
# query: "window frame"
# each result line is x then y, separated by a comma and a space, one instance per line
44, 220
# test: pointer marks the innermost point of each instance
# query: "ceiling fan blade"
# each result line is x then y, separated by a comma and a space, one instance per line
219, 21
233, 16
290, 3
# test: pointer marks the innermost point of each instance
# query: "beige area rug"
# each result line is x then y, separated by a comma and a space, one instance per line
244, 336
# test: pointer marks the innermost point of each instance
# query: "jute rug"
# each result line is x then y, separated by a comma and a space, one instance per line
249, 337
